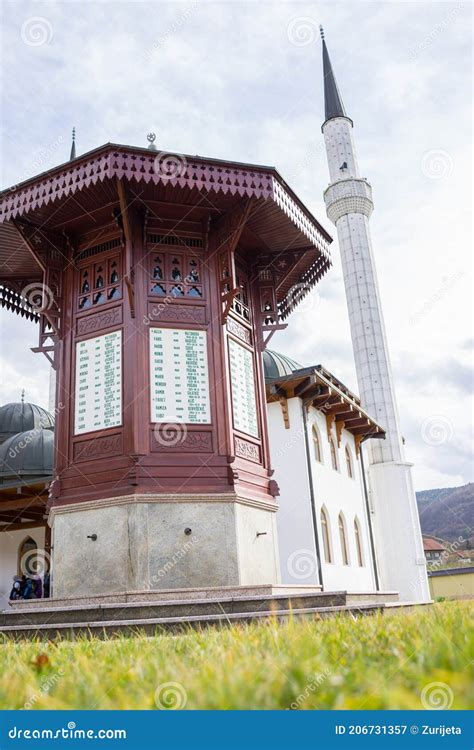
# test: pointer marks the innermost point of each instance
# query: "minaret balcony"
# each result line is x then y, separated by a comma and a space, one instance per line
350, 196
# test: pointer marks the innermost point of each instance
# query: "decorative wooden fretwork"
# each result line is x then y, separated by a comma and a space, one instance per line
240, 301
89, 252
176, 275
174, 240
269, 316
15, 302
99, 283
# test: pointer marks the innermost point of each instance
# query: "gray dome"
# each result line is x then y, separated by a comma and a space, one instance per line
28, 454
19, 417
277, 365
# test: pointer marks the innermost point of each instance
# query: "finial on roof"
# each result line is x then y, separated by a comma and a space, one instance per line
73, 145
23, 396
321, 31
151, 138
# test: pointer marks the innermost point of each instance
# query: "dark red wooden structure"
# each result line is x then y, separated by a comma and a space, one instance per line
126, 238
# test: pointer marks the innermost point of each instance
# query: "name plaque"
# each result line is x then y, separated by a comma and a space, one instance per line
98, 387
179, 377
244, 405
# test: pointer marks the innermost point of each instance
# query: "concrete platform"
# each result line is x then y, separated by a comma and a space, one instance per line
148, 612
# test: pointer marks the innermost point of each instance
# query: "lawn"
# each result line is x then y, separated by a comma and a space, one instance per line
405, 660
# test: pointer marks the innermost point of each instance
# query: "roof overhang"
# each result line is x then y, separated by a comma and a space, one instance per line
286, 234
317, 387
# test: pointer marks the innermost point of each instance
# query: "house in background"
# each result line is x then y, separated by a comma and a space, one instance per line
433, 548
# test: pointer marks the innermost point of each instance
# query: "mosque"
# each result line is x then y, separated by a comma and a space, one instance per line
181, 456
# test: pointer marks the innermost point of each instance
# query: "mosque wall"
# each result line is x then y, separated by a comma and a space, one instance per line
334, 490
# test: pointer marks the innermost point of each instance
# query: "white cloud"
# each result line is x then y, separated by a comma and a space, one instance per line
223, 79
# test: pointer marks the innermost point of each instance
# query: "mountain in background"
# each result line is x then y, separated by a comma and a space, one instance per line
448, 513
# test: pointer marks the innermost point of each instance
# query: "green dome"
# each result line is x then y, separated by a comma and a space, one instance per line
277, 365
19, 417
26, 455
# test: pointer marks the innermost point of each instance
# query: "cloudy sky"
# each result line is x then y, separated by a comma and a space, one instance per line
242, 81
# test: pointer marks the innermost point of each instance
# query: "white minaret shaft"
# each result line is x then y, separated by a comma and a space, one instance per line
349, 205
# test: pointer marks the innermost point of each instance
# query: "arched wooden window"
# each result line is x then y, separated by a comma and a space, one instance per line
326, 535
350, 470
317, 445
26, 557
358, 538
332, 446
343, 540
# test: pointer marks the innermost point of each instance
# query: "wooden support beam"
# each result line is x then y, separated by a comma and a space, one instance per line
284, 411
336, 406
23, 503
330, 419
339, 429
358, 440
20, 526
304, 385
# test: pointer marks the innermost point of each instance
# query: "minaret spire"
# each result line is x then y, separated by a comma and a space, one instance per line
349, 206
333, 105
73, 145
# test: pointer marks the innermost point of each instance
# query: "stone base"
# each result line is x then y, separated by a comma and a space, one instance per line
162, 542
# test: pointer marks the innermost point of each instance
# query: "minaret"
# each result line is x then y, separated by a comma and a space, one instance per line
349, 206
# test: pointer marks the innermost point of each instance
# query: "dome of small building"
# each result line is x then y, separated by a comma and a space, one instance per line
26, 455
20, 416
277, 365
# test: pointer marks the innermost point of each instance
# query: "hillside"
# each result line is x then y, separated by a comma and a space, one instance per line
447, 513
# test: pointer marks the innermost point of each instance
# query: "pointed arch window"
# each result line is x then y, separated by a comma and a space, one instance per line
358, 539
343, 540
349, 464
326, 534
318, 454
332, 447
27, 557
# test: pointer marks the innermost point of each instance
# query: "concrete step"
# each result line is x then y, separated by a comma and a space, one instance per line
149, 626
162, 595
188, 608
47, 610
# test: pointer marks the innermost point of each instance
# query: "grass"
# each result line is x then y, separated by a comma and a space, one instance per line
380, 662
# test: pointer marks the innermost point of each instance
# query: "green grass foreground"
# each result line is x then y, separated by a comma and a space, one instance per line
378, 662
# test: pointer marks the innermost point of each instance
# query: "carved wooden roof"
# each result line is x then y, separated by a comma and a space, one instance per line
63, 199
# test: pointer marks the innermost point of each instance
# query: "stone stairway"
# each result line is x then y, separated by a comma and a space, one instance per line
148, 612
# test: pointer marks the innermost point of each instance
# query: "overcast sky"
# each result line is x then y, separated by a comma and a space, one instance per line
243, 81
